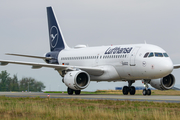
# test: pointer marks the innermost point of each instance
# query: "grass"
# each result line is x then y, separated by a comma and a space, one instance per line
119, 92
80, 109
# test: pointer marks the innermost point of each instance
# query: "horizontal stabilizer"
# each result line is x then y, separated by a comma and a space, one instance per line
39, 57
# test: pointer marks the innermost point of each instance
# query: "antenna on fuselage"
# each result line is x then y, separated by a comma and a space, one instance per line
145, 42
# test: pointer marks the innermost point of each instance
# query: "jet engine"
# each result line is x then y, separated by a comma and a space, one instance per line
164, 83
77, 80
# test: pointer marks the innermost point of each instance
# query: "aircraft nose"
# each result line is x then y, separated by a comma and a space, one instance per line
166, 67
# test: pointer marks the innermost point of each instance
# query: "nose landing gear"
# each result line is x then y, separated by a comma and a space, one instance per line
129, 89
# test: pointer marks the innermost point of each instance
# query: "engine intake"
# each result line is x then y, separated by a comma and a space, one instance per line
164, 83
77, 80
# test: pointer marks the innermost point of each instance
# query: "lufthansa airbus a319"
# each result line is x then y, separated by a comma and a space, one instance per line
81, 64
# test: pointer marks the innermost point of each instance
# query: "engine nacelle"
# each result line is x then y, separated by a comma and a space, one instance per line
77, 80
164, 83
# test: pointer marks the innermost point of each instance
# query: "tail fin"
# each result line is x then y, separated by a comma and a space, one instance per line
57, 42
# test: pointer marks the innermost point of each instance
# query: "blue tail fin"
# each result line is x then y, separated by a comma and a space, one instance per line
57, 42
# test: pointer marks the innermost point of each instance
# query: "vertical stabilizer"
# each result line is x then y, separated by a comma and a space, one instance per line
56, 39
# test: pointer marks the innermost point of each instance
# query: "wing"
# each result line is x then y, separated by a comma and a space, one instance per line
176, 66
97, 71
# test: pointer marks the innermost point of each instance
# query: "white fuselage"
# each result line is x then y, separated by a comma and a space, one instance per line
120, 62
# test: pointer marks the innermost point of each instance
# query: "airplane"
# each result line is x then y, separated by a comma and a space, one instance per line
82, 64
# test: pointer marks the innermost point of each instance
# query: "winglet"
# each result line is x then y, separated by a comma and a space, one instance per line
176, 66
3, 63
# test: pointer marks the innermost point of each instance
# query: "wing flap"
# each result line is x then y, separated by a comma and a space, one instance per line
36, 66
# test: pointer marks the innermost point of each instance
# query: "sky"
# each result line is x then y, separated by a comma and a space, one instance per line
24, 30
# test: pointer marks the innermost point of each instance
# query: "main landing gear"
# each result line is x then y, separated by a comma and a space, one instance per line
146, 91
129, 89
70, 91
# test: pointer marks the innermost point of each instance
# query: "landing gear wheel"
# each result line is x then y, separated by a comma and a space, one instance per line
70, 91
129, 89
132, 90
125, 90
144, 92
148, 92
77, 92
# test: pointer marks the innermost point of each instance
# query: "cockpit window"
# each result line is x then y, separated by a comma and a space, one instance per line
165, 55
146, 55
158, 54
151, 54
155, 54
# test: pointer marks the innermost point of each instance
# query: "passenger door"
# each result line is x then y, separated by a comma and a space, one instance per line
133, 56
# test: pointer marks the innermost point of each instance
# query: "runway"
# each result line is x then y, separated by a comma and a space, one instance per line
154, 98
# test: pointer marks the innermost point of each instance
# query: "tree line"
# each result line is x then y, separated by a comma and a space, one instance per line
8, 83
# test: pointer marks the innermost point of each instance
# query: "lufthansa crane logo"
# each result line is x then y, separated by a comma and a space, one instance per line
54, 36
